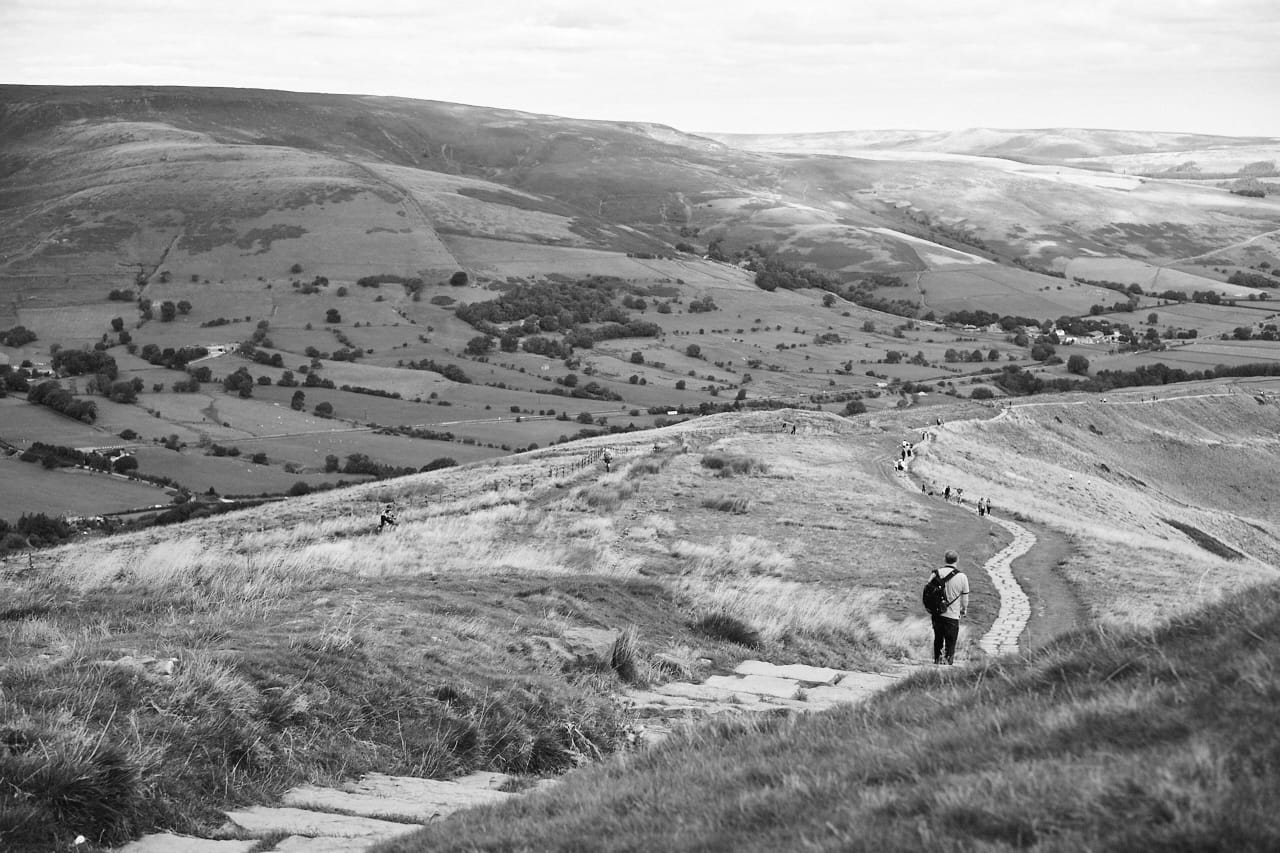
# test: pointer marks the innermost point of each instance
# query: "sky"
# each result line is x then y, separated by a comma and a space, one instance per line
783, 66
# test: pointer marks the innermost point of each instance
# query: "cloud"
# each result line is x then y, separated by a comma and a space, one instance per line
711, 64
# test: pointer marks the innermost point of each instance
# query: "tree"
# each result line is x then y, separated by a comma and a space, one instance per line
295, 269
459, 279
184, 307
324, 409
117, 324
680, 385
637, 357
298, 401
1153, 318
868, 326
332, 316
168, 311
1078, 365
479, 345
693, 351
124, 464
855, 407
331, 463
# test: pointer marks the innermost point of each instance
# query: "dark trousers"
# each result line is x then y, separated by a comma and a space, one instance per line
945, 632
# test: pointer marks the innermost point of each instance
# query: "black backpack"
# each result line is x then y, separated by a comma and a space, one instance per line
935, 593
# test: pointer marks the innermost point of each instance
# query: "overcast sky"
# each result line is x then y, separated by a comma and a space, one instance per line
712, 65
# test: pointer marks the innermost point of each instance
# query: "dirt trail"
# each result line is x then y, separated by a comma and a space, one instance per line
1035, 605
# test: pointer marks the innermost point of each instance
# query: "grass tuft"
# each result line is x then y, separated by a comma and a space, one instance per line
728, 465
727, 503
730, 629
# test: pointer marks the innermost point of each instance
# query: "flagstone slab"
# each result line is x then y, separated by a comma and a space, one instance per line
168, 842
321, 799
761, 685
704, 692
435, 792
797, 671
263, 820
325, 844
483, 779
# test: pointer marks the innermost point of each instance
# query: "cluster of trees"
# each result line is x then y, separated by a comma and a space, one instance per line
35, 531
1016, 381
17, 336
374, 392
52, 395
773, 273
119, 295
567, 386
173, 359
951, 356
1007, 322
77, 362
57, 456
1253, 279
448, 371
13, 380
240, 382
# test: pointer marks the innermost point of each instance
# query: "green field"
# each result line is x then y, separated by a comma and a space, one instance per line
29, 488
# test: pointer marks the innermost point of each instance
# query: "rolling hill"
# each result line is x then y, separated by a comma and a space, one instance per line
308, 647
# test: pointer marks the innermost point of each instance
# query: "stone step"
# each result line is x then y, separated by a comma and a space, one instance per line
483, 779
795, 671
761, 685
320, 799
258, 821
441, 795
168, 842
703, 692
325, 844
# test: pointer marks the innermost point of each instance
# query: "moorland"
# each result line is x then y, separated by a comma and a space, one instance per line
235, 325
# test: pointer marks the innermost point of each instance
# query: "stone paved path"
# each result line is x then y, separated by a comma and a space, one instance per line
349, 819
359, 814
1015, 608
756, 686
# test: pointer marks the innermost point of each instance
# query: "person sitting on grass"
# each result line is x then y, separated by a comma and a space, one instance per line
386, 519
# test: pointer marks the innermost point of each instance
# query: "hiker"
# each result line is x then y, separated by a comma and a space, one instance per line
946, 494
608, 461
946, 624
386, 519
922, 488
982, 508
793, 429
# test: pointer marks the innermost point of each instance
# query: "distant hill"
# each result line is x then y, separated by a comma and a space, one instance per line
1050, 145
115, 183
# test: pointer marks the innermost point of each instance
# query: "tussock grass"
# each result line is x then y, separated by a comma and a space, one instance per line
729, 465
727, 503
728, 628
1108, 739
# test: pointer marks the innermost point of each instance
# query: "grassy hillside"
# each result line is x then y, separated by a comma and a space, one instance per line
305, 646
1108, 740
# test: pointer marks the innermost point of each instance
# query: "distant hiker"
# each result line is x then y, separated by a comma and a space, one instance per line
939, 421
946, 494
923, 488
793, 429
387, 519
946, 597
982, 508
608, 461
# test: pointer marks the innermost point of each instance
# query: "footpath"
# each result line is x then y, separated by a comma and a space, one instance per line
360, 814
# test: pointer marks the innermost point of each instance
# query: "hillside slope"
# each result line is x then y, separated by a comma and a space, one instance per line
105, 184
307, 647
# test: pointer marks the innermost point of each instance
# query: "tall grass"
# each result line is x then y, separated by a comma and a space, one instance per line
1106, 740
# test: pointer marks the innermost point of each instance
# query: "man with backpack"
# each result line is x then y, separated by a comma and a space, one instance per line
946, 597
